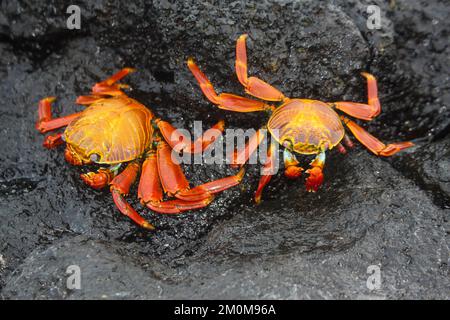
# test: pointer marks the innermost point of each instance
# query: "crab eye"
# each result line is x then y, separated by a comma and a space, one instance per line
94, 157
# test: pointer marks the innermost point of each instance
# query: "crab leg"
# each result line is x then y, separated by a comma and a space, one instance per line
106, 87
372, 143
172, 177
292, 171
200, 192
254, 86
179, 142
149, 189
175, 184
348, 142
151, 194
178, 206
220, 185
45, 121
45, 109
315, 178
213, 187
361, 110
225, 101
53, 140
87, 100
118, 76
240, 157
109, 86
120, 186
173, 180
267, 172
341, 149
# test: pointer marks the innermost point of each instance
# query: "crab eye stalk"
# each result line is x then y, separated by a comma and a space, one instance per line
94, 157
287, 143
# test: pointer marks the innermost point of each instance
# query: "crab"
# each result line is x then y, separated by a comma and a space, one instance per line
301, 126
115, 130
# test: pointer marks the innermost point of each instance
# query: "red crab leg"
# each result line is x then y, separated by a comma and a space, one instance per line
175, 183
224, 183
118, 76
172, 178
108, 91
341, 148
361, 110
315, 178
150, 192
109, 86
45, 109
212, 187
53, 140
347, 141
45, 121
292, 171
254, 86
149, 186
178, 141
225, 101
372, 143
87, 100
240, 157
267, 172
178, 206
120, 186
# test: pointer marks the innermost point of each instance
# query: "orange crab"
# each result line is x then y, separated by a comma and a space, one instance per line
116, 129
301, 126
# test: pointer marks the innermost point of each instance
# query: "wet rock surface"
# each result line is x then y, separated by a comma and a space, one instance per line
388, 212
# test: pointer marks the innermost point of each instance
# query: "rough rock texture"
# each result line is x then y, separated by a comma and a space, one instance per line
391, 213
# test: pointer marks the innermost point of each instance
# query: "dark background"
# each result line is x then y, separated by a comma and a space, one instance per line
370, 211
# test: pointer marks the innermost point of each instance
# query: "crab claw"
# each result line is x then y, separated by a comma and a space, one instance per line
315, 179
97, 180
293, 172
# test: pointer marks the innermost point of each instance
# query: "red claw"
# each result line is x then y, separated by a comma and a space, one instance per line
97, 180
315, 179
293, 172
